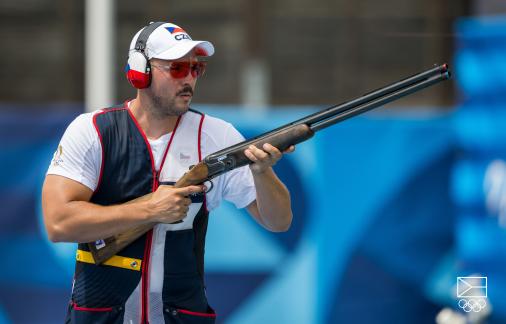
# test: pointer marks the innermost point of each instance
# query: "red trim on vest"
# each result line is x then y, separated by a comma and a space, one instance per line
103, 153
141, 131
145, 277
200, 153
168, 146
200, 136
184, 311
102, 142
87, 309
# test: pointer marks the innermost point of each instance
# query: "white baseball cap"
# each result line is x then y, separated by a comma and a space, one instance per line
171, 42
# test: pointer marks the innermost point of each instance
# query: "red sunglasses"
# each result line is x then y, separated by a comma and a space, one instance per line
179, 70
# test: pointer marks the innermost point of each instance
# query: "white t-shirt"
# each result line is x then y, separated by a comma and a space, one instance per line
79, 157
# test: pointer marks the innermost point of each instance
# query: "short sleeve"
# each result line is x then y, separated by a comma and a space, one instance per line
236, 186
79, 154
239, 187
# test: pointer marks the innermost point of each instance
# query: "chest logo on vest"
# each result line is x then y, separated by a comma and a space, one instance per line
184, 157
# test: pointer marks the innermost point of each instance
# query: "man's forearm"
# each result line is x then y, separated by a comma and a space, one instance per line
81, 221
273, 201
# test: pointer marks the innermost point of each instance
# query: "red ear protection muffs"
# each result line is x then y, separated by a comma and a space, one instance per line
138, 70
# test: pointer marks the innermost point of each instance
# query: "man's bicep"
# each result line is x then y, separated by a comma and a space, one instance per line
58, 190
58, 193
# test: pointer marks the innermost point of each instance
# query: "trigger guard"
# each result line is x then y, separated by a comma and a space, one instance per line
209, 188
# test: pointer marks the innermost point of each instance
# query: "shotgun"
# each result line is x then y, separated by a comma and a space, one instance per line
282, 138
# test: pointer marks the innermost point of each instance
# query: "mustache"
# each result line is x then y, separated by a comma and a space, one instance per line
186, 89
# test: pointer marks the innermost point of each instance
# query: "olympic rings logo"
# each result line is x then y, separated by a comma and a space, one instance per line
472, 305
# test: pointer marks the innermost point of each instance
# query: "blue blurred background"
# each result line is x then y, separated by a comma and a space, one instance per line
389, 208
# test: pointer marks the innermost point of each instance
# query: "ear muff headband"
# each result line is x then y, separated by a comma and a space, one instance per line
138, 70
142, 40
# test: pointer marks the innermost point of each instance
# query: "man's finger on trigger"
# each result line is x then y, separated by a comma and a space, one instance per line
186, 191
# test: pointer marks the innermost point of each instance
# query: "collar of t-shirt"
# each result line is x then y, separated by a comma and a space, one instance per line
158, 146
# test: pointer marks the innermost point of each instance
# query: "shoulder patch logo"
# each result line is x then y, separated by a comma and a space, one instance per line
58, 156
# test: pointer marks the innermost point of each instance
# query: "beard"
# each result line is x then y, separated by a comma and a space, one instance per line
163, 107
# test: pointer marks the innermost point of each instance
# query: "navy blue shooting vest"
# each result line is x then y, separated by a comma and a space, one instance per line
120, 292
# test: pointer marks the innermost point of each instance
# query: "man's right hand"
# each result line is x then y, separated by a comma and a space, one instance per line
169, 204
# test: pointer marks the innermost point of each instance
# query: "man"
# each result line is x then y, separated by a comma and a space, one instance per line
110, 157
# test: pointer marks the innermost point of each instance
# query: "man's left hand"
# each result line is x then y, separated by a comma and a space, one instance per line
264, 158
